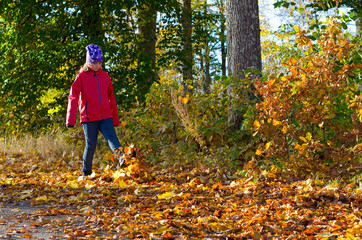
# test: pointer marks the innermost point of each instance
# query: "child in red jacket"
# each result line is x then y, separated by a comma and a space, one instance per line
92, 92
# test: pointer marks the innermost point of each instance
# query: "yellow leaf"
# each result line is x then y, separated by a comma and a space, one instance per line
89, 186
285, 129
273, 169
271, 82
256, 124
159, 216
73, 184
309, 136
117, 175
52, 199
258, 152
267, 146
122, 184
303, 139
276, 122
194, 182
167, 195
123, 124
179, 210
283, 78
42, 198
130, 198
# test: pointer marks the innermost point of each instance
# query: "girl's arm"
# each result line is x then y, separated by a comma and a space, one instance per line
73, 102
113, 102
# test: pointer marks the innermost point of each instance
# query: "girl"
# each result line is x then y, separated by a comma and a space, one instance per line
92, 91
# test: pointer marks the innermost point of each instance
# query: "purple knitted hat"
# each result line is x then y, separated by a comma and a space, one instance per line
94, 53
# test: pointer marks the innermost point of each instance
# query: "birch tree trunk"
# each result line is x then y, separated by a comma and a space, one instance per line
243, 42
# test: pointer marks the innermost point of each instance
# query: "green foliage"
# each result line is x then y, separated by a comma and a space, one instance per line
44, 44
192, 129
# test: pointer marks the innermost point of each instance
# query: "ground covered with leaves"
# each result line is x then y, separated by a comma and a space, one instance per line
144, 202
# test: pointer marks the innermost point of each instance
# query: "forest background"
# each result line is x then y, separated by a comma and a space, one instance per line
228, 135
178, 110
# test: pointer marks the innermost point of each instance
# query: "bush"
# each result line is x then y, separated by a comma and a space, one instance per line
310, 118
192, 129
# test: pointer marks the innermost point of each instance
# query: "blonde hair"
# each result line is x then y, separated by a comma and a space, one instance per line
85, 67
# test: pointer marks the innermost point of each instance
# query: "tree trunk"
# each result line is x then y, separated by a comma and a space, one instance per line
187, 55
207, 77
243, 41
223, 46
222, 35
147, 16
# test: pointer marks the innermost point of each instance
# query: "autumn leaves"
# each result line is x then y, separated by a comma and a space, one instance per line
313, 114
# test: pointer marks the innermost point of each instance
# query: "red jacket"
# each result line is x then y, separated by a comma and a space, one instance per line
93, 93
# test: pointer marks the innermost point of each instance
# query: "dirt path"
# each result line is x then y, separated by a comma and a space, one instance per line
21, 220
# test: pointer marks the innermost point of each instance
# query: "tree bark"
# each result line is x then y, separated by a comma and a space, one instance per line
243, 42
223, 46
187, 54
222, 35
147, 53
207, 77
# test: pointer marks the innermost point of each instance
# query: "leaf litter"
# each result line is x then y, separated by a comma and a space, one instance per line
144, 202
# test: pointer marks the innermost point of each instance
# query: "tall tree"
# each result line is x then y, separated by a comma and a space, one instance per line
243, 41
202, 39
186, 54
220, 4
147, 15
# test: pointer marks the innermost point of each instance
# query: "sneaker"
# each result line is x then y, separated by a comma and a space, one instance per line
87, 176
121, 159
82, 178
119, 155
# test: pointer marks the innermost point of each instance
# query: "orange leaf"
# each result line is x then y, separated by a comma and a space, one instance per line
185, 100
167, 235
217, 213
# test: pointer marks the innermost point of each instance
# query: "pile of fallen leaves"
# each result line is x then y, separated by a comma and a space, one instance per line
143, 202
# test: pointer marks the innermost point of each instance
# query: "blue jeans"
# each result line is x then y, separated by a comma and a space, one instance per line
91, 130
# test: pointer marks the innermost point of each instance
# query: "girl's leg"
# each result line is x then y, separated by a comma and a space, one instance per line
91, 135
107, 129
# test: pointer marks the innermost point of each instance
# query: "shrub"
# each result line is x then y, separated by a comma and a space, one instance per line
312, 114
